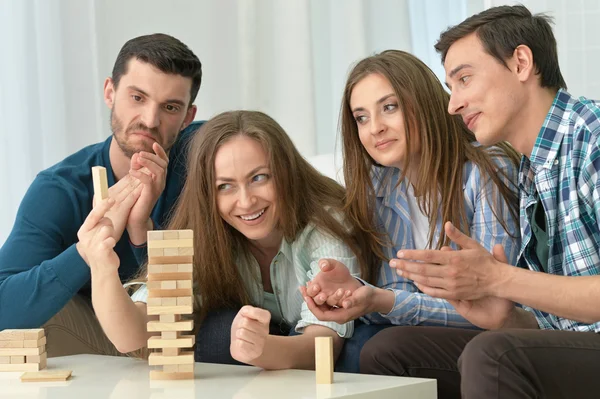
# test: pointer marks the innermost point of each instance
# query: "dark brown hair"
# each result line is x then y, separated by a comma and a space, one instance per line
445, 145
164, 52
502, 29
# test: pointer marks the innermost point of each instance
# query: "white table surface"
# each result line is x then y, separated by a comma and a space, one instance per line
120, 377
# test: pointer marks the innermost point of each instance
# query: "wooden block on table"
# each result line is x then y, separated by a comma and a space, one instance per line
186, 368
170, 276
157, 359
168, 301
169, 335
164, 310
183, 341
171, 351
12, 344
155, 252
100, 183
170, 251
185, 251
171, 235
155, 269
154, 326
184, 234
169, 260
169, 293
22, 351
185, 301
17, 359
36, 358
155, 235
154, 302
48, 375
185, 268
170, 269
21, 335
32, 343
186, 243
169, 318
171, 368
324, 360
22, 367
4, 359
161, 375
182, 284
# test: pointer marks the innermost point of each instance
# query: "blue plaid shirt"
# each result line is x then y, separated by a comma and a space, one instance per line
412, 307
563, 171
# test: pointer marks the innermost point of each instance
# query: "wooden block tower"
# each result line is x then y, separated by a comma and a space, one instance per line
170, 295
22, 350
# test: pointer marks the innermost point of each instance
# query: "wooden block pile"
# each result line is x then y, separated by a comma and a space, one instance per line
170, 271
22, 350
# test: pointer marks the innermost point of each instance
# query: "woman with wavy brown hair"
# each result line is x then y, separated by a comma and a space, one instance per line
410, 166
263, 218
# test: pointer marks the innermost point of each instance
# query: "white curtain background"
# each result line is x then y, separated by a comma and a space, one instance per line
286, 58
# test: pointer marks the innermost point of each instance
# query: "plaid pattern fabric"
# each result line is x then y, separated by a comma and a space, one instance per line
411, 306
563, 171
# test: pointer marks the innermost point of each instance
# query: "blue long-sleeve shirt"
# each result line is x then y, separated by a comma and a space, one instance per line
411, 306
40, 268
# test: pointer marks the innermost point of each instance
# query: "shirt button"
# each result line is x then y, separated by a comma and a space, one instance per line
556, 162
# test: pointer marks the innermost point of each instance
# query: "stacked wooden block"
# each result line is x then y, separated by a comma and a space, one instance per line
170, 295
22, 350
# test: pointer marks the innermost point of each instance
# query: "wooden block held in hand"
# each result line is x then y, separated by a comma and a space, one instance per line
324, 360
48, 375
100, 183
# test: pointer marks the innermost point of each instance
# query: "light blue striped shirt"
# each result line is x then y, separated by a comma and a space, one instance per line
412, 307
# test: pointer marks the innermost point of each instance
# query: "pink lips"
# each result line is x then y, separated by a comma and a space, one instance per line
471, 119
383, 143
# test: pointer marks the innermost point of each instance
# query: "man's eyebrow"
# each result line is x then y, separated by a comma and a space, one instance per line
458, 69
169, 101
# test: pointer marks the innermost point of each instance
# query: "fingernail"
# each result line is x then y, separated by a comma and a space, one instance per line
401, 254
451, 228
393, 263
399, 272
322, 264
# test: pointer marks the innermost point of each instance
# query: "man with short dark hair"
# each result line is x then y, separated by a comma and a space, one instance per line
502, 68
44, 280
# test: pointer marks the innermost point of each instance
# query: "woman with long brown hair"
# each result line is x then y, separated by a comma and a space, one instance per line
410, 166
262, 219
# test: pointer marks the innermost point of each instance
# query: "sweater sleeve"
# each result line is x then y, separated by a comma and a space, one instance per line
40, 268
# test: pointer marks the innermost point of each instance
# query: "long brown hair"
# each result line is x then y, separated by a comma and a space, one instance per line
304, 196
445, 141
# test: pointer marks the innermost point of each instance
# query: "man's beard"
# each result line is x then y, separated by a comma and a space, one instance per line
121, 135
